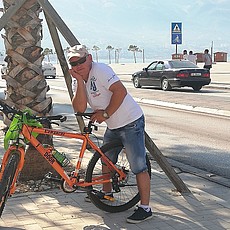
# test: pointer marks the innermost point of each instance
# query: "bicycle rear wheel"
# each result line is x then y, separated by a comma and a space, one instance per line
7, 178
125, 192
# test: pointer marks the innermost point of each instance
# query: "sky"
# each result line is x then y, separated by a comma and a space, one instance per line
146, 24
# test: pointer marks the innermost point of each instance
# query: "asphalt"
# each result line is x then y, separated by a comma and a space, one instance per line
206, 207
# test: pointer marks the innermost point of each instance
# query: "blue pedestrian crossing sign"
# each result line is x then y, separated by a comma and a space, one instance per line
176, 34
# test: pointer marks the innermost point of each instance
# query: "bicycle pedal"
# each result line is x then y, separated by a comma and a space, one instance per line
49, 176
109, 198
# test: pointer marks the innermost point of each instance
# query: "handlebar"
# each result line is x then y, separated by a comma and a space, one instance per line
85, 115
6, 109
88, 128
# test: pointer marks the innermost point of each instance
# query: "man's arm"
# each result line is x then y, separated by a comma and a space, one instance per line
79, 100
118, 94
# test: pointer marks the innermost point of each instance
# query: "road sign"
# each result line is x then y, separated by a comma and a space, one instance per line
176, 38
176, 30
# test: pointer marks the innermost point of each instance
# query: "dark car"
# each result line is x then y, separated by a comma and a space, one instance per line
168, 74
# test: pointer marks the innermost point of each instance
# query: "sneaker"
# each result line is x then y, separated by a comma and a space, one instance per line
139, 215
102, 196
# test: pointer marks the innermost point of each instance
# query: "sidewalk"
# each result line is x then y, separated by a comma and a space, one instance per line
207, 207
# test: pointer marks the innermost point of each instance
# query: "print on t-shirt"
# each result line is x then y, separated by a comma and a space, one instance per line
93, 87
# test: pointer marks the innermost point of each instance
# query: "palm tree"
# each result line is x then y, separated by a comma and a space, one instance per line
134, 49
109, 48
117, 54
47, 53
96, 48
26, 85
143, 54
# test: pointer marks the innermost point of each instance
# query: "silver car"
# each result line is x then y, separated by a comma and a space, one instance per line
49, 70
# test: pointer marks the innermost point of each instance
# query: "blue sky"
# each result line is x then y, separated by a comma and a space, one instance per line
146, 23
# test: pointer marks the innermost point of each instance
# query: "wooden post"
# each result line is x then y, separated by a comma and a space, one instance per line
53, 21
163, 163
58, 22
63, 63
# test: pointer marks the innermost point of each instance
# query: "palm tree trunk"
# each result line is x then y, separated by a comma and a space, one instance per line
109, 56
26, 85
134, 55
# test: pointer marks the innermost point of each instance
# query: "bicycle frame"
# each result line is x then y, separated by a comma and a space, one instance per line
46, 152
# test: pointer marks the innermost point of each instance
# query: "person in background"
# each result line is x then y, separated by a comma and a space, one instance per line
207, 60
100, 87
185, 55
192, 57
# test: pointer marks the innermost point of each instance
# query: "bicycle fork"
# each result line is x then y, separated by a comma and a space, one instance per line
9, 152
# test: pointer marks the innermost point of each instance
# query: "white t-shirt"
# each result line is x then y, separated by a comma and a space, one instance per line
101, 77
192, 58
185, 56
207, 59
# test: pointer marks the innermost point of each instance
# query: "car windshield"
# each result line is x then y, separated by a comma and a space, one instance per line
182, 64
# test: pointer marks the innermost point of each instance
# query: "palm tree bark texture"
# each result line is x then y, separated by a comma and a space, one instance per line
26, 85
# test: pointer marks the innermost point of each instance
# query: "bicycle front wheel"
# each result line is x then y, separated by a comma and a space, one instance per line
7, 179
125, 193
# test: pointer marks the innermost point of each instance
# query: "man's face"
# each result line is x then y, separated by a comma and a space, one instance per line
81, 65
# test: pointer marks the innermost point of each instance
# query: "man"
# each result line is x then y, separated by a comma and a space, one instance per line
207, 60
98, 85
185, 55
192, 57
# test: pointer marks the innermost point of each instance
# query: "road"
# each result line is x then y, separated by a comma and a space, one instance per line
197, 139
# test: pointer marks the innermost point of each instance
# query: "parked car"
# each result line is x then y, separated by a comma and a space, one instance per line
168, 74
3, 67
49, 70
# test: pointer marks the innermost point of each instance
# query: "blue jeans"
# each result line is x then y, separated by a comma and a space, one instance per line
133, 139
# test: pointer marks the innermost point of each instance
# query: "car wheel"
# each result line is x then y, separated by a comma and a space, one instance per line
136, 82
197, 87
165, 84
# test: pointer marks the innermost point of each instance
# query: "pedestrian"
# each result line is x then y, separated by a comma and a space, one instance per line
207, 60
192, 57
185, 55
100, 87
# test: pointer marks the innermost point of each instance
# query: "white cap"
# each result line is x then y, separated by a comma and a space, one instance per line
77, 51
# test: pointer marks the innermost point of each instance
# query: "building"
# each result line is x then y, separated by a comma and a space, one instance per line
220, 57
177, 56
200, 57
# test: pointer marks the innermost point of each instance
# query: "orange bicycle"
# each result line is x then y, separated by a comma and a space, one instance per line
24, 129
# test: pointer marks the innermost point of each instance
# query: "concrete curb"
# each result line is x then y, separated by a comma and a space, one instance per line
184, 107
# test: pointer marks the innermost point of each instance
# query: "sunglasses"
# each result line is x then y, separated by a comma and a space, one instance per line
78, 62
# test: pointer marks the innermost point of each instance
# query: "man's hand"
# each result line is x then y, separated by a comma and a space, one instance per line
98, 116
75, 74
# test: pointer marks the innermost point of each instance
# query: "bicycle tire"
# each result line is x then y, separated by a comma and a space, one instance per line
7, 179
128, 195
